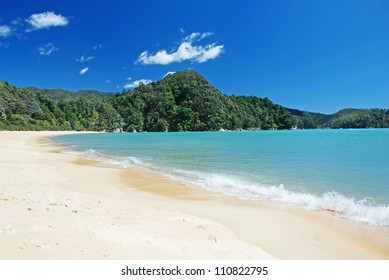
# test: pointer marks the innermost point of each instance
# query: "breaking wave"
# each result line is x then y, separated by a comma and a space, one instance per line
364, 210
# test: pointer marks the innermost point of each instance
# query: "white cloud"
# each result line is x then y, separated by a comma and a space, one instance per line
137, 83
211, 53
84, 70
5, 31
169, 73
191, 37
18, 22
46, 20
4, 45
84, 58
186, 51
47, 49
205, 34
197, 36
15, 22
100, 46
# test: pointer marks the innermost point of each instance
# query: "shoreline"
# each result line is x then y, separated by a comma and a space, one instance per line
83, 209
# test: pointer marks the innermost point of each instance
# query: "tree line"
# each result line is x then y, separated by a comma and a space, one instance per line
346, 118
183, 101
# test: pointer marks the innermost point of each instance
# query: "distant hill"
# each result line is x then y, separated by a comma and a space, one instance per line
183, 101
60, 94
36, 109
346, 118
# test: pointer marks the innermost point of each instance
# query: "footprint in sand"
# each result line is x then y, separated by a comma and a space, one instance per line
7, 229
34, 242
23, 246
212, 238
148, 242
106, 254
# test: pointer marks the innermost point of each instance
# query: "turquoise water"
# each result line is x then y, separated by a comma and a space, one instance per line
346, 171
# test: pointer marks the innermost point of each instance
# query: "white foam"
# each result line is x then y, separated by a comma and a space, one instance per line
364, 210
126, 162
123, 162
79, 152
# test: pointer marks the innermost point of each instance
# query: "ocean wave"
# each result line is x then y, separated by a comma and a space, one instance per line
123, 162
364, 210
75, 151
126, 162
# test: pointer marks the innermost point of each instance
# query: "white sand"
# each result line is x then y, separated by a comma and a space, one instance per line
59, 206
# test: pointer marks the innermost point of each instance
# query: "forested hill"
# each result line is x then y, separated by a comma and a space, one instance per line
60, 94
346, 118
36, 109
183, 101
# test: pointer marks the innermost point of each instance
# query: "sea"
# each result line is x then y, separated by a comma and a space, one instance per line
343, 171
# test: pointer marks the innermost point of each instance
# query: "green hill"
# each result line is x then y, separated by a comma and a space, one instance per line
35, 109
183, 101
346, 118
60, 94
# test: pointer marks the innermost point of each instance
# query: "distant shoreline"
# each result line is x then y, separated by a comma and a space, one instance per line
219, 130
62, 206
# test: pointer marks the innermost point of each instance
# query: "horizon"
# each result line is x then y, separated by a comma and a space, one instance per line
320, 56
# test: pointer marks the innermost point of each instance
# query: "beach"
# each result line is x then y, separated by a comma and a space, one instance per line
59, 205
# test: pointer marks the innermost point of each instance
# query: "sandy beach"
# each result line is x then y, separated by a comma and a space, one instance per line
56, 205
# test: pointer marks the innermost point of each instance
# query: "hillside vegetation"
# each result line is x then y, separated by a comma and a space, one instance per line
346, 118
184, 101
34, 109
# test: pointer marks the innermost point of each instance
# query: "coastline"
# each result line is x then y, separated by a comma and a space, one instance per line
62, 206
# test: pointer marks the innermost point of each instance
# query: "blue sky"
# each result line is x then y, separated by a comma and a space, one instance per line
320, 55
